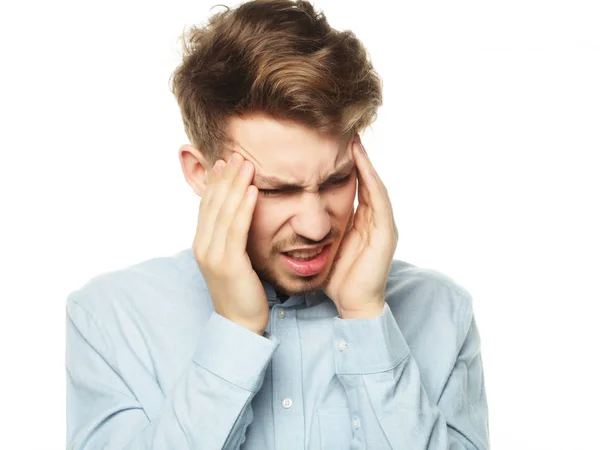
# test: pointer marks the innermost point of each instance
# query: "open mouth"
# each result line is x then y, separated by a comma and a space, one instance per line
304, 255
307, 262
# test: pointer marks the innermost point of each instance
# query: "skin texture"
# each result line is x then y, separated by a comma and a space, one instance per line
240, 237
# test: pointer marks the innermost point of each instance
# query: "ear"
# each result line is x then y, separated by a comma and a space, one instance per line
194, 166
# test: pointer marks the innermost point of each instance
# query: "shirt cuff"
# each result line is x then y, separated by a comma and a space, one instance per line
364, 346
234, 353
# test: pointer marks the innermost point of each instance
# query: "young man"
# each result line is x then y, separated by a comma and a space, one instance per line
287, 324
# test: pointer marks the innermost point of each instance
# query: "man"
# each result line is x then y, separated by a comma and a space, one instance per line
287, 324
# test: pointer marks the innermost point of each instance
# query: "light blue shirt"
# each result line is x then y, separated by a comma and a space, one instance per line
150, 365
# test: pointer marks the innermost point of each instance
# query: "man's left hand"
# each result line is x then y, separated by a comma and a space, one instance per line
357, 284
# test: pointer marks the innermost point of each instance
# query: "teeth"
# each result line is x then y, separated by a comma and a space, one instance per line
305, 254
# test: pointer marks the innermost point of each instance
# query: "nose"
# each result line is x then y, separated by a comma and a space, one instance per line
312, 221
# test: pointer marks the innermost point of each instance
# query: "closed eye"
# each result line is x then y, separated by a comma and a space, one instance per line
267, 192
340, 181
273, 192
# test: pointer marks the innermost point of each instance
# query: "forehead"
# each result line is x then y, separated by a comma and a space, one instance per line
287, 150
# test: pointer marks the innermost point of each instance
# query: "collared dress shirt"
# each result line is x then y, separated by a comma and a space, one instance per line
151, 366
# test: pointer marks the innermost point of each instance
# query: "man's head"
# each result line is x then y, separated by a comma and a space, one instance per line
274, 82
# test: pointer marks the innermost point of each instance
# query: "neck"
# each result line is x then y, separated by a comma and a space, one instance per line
282, 297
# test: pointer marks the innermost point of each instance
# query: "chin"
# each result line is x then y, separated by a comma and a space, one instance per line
291, 284
274, 271
303, 285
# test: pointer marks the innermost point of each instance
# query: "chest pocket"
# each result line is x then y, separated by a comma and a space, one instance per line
335, 428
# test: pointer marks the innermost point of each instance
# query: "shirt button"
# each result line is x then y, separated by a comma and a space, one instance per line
243, 439
342, 345
355, 422
282, 314
287, 403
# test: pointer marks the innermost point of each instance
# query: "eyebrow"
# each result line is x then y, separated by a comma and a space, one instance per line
274, 183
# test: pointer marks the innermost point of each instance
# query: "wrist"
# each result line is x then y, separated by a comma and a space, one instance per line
254, 326
367, 313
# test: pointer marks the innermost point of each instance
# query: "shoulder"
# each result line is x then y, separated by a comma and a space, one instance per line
143, 285
424, 298
435, 314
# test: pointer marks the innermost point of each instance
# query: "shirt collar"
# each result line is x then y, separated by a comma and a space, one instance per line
309, 300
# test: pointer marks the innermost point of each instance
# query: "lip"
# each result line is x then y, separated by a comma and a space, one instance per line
305, 249
310, 267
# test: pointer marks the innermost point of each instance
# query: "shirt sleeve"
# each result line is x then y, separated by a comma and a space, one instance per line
209, 407
391, 408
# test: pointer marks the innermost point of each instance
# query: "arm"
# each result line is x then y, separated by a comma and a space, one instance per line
384, 390
208, 408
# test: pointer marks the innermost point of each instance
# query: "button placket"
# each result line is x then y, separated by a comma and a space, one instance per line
286, 381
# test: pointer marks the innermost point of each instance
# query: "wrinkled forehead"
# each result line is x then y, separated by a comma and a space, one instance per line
287, 149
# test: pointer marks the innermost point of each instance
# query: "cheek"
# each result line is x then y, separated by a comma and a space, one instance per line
265, 223
342, 200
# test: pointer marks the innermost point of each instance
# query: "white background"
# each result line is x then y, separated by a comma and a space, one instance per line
488, 141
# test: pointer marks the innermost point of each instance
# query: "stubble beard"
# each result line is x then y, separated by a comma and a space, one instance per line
309, 284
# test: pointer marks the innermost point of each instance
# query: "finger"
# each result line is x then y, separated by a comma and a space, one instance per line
363, 194
383, 189
223, 174
216, 171
212, 177
205, 226
372, 170
367, 183
237, 238
230, 206
371, 189
217, 188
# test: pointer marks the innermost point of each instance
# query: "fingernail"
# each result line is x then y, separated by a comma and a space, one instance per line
218, 167
235, 160
246, 167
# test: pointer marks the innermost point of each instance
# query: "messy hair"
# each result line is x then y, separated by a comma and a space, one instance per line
276, 57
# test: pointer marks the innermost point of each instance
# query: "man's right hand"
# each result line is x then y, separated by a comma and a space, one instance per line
224, 219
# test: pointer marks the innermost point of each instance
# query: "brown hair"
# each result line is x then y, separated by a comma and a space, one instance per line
278, 57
